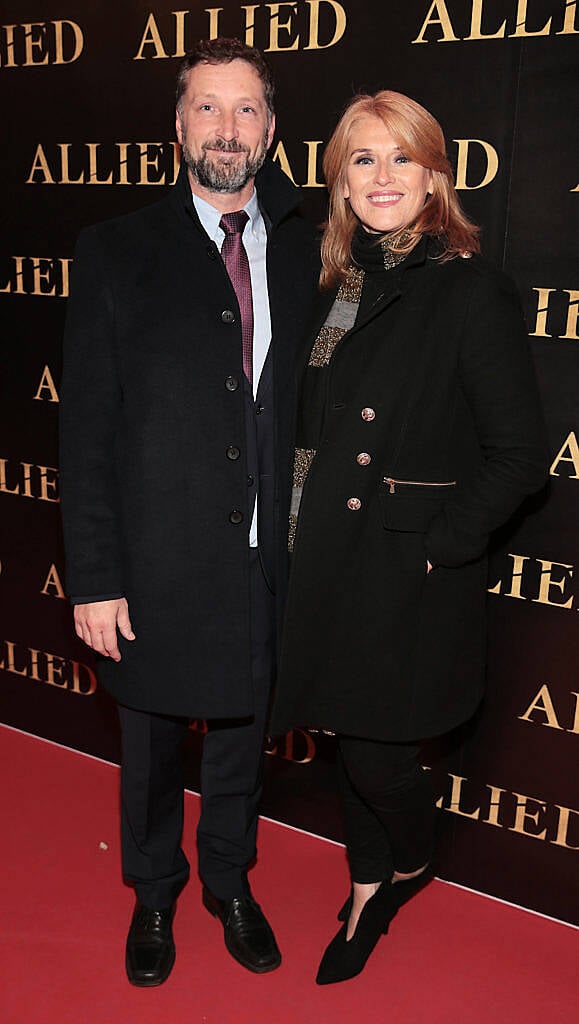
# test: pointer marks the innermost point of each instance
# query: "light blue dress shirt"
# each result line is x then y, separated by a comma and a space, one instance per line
255, 241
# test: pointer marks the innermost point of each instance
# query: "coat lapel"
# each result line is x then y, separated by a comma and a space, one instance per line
394, 289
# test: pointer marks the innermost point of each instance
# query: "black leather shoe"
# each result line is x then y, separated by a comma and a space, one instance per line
150, 948
247, 934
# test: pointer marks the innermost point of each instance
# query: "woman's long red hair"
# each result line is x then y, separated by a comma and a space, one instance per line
420, 138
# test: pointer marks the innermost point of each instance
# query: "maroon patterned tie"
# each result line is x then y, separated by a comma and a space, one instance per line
237, 266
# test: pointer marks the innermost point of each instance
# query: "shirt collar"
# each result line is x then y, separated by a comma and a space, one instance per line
210, 217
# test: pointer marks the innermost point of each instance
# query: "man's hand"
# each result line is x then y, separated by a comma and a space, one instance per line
97, 623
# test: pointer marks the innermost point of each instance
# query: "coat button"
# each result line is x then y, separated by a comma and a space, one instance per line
228, 316
354, 504
368, 414
231, 383
236, 517
232, 453
363, 459
250, 480
259, 409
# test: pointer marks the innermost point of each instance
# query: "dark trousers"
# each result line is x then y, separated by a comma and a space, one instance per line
389, 808
231, 783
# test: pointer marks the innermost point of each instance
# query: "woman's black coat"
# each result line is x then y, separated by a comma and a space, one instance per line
373, 645
152, 401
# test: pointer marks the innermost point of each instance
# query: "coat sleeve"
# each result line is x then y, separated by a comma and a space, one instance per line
89, 421
497, 381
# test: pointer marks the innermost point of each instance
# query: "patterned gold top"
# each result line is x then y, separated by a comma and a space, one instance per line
340, 319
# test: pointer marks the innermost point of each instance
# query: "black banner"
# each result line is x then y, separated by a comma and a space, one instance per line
89, 118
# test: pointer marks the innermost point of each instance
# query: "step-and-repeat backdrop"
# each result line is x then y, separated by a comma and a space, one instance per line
88, 122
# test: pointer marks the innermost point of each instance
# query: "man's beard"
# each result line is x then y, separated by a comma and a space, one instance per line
223, 175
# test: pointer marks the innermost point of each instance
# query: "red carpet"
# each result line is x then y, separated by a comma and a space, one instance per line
451, 956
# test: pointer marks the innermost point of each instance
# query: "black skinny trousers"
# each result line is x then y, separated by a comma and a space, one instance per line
389, 808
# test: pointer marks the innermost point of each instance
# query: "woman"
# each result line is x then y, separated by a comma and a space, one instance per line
419, 432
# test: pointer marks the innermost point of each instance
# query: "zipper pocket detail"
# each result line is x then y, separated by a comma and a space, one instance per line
392, 482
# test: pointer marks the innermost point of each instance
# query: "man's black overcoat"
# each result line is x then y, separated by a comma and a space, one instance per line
435, 385
152, 400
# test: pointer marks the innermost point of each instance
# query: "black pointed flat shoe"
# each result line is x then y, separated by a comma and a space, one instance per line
404, 891
346, 910
344, 959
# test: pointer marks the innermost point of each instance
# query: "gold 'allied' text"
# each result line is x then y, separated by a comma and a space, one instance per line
46, 667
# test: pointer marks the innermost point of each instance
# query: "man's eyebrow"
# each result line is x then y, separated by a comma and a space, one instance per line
214, 96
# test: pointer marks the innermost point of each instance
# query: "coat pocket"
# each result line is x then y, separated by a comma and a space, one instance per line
409, 506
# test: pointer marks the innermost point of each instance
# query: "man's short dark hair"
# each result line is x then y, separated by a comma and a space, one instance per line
223, 51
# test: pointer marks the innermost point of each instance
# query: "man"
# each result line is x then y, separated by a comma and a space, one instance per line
176, 409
